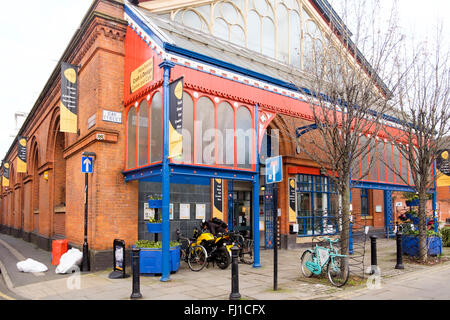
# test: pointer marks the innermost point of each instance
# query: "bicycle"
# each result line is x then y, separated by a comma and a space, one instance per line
313, 262
193, 254
245, 245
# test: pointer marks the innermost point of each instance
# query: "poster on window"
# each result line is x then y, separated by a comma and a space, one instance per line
69, 98
185, 211
176, 118
443, 168
217, 199
292, 201
22, 154
5, 178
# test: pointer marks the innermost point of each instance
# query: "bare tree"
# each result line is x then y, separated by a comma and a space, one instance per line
350, 85
424, 110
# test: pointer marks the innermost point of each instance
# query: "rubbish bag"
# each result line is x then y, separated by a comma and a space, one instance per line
70, 261
31, 265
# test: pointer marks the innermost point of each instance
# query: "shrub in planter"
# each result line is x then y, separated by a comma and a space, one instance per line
445, 236
150, 257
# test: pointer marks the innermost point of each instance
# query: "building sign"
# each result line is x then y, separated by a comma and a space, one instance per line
443, 168
22, 154
217, 199
141, 76
112, 116
5, 179
176, 118
274, 170
69, 98
292, 201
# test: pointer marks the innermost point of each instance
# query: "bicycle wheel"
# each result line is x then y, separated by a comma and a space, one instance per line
338, 271
307, 256
197, 258
247, 252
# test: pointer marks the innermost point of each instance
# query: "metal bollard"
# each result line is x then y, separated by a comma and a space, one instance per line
399, 264
136, 294
234, 295
373, 253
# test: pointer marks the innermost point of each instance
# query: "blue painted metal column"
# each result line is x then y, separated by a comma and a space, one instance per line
167, 65
388, 219
256, 262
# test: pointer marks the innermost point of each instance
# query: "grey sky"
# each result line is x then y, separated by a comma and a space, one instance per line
34, 34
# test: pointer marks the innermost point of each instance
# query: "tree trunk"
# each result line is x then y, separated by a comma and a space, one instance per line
423, 250
345, 216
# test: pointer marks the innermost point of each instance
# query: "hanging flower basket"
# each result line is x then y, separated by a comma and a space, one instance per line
412, 203
154, 227
155, 203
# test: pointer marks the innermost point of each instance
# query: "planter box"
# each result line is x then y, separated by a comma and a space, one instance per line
412, 203
155, 204
150, 260
410, 246
154, 227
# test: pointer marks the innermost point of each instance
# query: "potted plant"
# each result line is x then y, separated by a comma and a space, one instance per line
154, 225
155, 201
412, 199
410, 241
150, 256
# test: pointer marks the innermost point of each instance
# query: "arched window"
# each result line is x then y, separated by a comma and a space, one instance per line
131, 138
225, 134
204, 131
156, 128
244, 138
188, 127
143, 133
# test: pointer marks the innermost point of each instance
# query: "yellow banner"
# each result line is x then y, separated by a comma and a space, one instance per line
68, 120
442, 179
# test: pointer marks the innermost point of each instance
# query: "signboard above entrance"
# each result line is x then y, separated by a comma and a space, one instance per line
141, 76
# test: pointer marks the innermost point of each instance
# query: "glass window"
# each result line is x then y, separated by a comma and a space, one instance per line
244, 138
156, 128
225, 134
268, 42
131, 138
364, 202
254, 31
204, 131
221, 29
381, 161
193, 20
373, 161
404, 170
295, 39
143, 133
283, 34
188, 127
364, 158
237, 35
389, 165
397, 168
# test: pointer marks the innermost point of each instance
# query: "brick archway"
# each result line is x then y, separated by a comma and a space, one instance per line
55, 148
34, 199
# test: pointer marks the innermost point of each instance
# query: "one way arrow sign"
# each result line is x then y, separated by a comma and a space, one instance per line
86, 164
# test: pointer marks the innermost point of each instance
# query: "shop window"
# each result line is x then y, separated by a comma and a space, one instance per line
156, 128
143, 133
244, 138
131, 138
225, 134
204, 131
188, 127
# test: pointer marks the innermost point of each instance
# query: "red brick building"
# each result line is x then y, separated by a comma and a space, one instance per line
112, 43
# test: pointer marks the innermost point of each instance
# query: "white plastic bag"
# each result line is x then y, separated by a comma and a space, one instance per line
69, 261
31, 265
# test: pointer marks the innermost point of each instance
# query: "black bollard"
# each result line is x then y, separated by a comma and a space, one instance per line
234, 295
399, 264
136, 294
373, 253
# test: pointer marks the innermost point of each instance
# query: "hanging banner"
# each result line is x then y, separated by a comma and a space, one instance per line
218, 199
69, 98
292, 201
5, 179
22, 154
443, 168
176, 118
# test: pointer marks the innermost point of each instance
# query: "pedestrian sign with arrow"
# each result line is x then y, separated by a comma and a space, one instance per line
86, 164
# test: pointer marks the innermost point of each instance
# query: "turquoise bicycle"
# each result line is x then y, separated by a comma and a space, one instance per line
313, 262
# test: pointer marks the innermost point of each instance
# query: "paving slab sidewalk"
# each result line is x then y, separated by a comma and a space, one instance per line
209, 284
